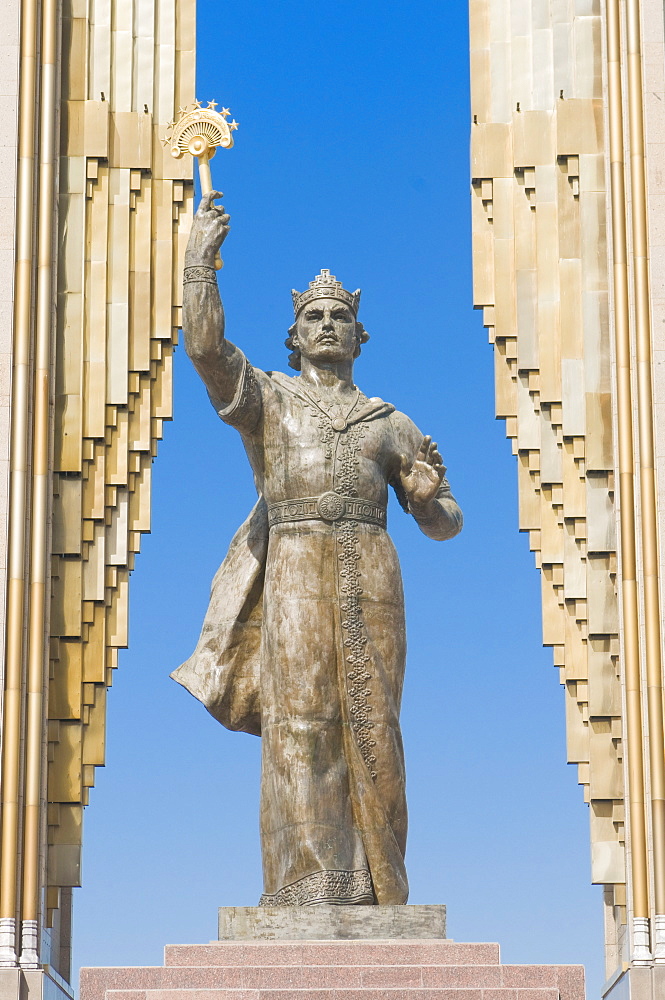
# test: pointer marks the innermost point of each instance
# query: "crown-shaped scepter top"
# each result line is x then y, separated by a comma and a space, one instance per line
200, 131
325, 286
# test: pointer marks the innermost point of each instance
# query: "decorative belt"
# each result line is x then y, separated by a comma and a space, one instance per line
328, 507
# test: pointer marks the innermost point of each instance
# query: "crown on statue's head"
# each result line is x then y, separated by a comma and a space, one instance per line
325, 286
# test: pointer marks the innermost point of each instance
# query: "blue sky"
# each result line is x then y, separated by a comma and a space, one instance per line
352, 154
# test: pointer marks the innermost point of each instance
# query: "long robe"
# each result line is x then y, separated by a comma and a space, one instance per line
304, 644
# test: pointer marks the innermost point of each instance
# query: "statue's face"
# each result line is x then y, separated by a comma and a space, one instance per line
326, 331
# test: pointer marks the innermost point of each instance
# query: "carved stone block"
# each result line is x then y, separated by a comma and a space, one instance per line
326, 922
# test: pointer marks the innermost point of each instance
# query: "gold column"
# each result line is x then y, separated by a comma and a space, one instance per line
648, 500
20, 413
629, 595
40, 495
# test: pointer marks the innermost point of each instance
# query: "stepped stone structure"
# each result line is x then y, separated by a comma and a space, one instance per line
335, 970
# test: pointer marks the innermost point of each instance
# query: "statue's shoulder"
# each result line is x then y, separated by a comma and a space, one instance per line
286, 386
374, 406
405, 429
375, 400
281, 379
398, 418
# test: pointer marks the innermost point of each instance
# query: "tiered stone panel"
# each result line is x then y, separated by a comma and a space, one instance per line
334, 970
125, 207
540, 256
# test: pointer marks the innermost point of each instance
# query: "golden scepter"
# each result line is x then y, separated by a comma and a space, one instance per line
199, 131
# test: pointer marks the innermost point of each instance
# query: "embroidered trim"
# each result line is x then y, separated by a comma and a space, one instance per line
329, 507
336, 887
348, 471
347, 474
327, 432
246, 387
355, 642
201, 272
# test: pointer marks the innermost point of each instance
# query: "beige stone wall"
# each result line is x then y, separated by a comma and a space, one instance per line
541, 278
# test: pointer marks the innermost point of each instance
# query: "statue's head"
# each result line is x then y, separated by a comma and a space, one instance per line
326, 328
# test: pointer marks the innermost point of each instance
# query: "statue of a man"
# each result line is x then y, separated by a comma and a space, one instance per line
304, 639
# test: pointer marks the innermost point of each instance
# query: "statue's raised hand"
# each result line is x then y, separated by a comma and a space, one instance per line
421, 478
209, 230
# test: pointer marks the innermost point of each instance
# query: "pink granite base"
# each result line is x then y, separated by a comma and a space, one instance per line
334, 970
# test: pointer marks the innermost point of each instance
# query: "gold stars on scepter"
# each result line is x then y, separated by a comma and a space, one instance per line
194, 121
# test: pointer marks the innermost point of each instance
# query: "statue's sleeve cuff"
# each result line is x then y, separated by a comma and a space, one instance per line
244, 410
444, 492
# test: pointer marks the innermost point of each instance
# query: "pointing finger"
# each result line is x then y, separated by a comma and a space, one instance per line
424, 448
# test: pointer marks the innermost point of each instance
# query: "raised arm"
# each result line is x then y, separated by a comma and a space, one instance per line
218, 362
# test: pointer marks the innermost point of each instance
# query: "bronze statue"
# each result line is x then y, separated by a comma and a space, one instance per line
303, 643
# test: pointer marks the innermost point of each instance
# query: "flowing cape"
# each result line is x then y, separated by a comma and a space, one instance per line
224, 670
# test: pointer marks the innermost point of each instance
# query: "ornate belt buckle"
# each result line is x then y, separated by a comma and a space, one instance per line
331, 506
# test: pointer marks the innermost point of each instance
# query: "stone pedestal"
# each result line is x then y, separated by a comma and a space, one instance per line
342, 968
331, 923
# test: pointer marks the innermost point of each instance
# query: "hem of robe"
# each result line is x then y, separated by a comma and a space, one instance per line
338, 888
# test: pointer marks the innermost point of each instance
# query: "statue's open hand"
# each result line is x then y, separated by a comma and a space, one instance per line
209, 230
421, 478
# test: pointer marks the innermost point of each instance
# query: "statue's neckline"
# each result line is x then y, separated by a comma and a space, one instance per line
370, 408
339, 420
